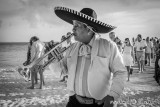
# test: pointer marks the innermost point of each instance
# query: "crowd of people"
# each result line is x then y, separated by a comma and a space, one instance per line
93, 67
36, 49
139, 50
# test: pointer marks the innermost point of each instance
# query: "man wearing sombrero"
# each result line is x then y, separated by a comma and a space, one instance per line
95, 66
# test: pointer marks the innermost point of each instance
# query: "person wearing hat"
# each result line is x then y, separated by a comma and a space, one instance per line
68, 43
112, 36
94, 65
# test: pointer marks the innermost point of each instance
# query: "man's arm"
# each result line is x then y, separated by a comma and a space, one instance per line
119, 72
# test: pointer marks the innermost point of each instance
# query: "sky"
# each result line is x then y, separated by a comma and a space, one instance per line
22, 19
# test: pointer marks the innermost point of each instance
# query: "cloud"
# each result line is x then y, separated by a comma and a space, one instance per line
130, 16
30, 9
129, 23
109, 6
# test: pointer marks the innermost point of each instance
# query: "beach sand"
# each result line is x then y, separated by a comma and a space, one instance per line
140, 91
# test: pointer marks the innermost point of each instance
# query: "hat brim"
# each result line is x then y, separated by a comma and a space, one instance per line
69, 15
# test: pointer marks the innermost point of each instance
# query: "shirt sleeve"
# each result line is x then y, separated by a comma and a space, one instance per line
119, 72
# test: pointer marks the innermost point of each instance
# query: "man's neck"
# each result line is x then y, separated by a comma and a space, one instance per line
88, 40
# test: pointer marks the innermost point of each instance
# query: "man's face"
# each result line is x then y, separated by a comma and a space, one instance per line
112, 36
116, 40
80, 31
127, 41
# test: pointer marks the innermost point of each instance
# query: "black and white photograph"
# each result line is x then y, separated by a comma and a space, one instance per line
79, 53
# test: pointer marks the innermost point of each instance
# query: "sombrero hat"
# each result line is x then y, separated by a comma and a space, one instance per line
86, 15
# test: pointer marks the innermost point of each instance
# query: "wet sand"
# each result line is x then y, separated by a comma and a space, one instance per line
141, 91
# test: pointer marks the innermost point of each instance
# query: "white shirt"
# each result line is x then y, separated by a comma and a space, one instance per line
139, 45
37, 51
149, 46
105, 74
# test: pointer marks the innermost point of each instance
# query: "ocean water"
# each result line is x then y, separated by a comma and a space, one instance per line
12, 54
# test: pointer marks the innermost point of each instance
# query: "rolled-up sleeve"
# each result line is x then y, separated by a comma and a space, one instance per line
119, 72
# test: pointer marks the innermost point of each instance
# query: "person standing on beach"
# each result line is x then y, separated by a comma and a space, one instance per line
119, 44
148, 51
37, 51
152, 49
95, 66
28, 61
112, 36
68, 43
128, 56
140, 46
157, 67
134, 52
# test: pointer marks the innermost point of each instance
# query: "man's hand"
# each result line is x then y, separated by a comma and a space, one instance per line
107, 101
141, 48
